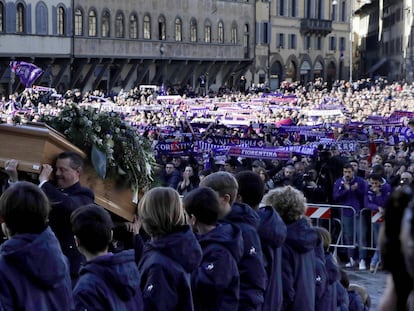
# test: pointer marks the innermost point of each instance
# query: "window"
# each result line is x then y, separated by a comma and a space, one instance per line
265, 33
281, 7
246, 38
92, 23
343, 11
162, 32
2, 17
220, 35
78, 23
292, 41
41, 19
119, 26
308, 42
319, 43
133, 26
207, 32
397, 45
193, 30
342, 44
319, 9
332, 43
105, 24
280, 41
334, 11
20, 22
293, 10
234, 34
178, 29
147, 27
61, 21
308, 9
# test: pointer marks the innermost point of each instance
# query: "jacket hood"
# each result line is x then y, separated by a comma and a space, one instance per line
271, 229
119, 271
39, 256
241, 212
301, 236
181, 246
227, 235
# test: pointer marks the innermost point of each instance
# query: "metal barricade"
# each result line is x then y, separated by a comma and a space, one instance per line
371, 218
331, 218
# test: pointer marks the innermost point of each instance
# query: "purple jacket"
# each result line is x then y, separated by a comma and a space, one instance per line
216, 282
34, 274
321, 280
298, 266
272, 232
166, 266
353, 198
373, 201
328, 301
253, 279
109, 282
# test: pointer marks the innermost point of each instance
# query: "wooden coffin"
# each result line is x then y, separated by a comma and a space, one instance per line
34, 144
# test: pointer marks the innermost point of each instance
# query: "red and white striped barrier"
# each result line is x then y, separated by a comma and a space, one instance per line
318, 212
376, 216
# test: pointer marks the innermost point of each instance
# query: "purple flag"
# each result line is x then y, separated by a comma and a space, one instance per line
27, 72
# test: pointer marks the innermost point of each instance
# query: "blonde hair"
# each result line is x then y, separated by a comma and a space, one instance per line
325, 237
161, 211
289, 202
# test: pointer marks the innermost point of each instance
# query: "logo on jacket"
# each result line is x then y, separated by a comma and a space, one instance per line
210, 267
150, 287
252, 251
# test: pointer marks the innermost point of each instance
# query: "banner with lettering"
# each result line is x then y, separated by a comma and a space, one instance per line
235, 141
175, 148
259, 153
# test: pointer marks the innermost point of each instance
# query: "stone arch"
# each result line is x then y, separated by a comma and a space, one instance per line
277, 72
318, 68
291, 65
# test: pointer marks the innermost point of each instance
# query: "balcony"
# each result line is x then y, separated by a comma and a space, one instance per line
314, 26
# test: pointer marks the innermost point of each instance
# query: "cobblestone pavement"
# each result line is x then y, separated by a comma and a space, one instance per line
374, 283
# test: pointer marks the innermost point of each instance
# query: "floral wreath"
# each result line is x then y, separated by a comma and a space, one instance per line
116, 149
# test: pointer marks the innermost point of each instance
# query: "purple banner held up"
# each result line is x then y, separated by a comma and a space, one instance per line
259, 153
27, 72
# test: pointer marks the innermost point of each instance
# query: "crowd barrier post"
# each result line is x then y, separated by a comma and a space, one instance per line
331, 217
375, 219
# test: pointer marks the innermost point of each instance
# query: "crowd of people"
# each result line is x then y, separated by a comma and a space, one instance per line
238, 237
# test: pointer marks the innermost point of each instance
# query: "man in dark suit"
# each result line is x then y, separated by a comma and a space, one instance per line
65, 195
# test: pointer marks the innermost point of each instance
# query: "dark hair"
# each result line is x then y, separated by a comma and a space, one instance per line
24, 208
375, 176
76, 161
251, 187
203, 203
348, 166
378, 169
232, 162
92, 225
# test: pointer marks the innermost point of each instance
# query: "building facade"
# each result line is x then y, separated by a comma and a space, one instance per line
120, 44
204, 44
